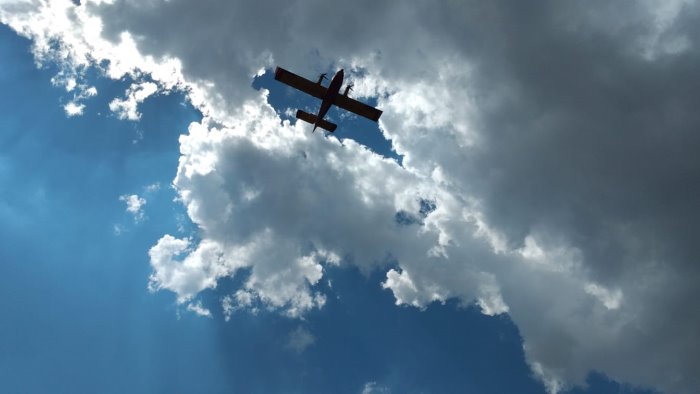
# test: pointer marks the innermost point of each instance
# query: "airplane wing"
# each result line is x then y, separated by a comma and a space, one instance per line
301, 83
357, 107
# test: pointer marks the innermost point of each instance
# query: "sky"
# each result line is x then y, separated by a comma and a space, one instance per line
523, 218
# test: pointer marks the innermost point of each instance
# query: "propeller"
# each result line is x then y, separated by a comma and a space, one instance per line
321, 78
348, 89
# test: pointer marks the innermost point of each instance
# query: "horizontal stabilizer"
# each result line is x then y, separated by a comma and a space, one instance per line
310, 118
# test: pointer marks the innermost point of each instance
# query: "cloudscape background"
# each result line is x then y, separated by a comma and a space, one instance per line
524, 219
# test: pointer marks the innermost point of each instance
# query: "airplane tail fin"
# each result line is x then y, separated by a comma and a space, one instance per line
310, 118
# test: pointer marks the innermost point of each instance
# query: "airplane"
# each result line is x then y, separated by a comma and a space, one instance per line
330, 96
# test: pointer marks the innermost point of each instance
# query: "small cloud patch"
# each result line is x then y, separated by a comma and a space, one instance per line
74, 109
198, 309
300, 339
374, 388
134, 205
136, 94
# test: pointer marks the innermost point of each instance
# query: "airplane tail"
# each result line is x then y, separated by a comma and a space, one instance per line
310, 118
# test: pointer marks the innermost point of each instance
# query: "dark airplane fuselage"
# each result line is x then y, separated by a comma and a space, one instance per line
330, 96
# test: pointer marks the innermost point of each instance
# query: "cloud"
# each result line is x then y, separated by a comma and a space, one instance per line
198, 309
128, 108
185, 271
118, 229
557, 141
374, 388
74, 109
227, 307
300, 339
134, 205
152, 188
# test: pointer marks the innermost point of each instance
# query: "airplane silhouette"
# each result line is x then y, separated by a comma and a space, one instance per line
330, 96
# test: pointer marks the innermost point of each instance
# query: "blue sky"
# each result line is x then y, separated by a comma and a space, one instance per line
521, 220
77, 315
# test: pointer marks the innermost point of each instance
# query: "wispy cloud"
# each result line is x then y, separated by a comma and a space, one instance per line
300, 339
374, 388
198, 309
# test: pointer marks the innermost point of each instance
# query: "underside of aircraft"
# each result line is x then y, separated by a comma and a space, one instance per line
329, 96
